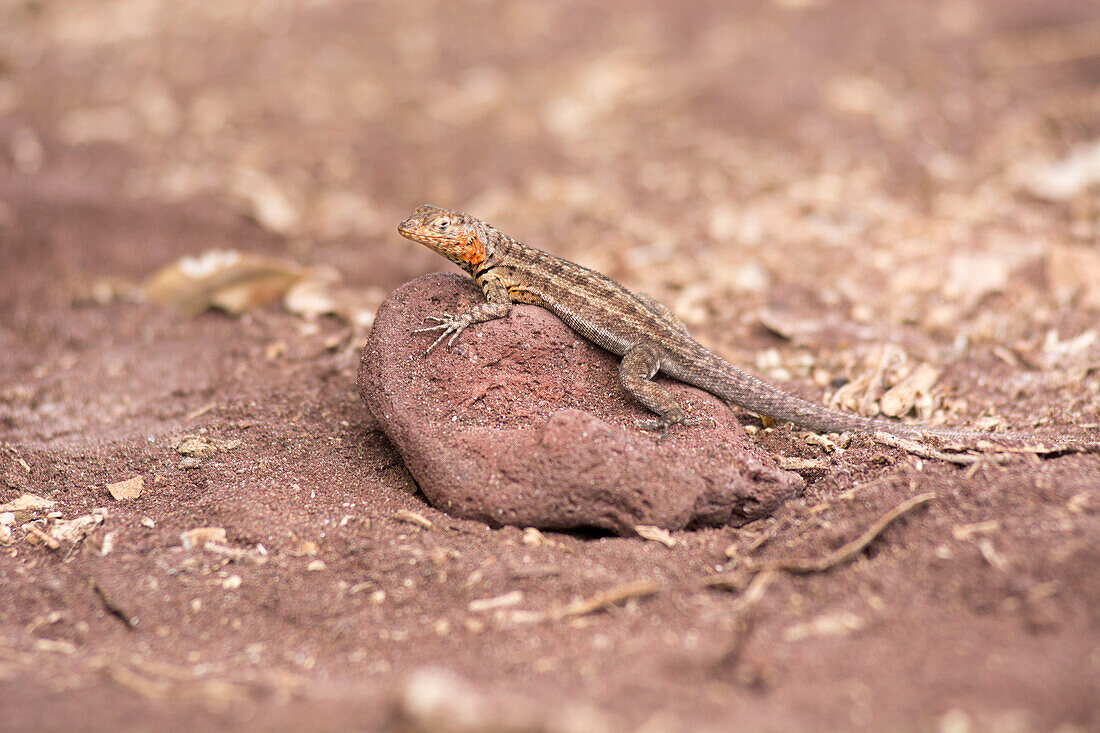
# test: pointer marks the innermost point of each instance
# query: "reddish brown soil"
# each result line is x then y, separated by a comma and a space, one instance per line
862, 170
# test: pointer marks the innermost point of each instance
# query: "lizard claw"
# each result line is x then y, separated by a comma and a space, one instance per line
438, 319
699, 420
656, 424
449, 324
664, 422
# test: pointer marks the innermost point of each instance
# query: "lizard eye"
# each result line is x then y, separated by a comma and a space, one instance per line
443, 223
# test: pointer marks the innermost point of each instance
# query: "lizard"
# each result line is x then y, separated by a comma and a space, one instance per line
645, 333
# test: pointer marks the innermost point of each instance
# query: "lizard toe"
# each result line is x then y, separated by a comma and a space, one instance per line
660, 425
698, 420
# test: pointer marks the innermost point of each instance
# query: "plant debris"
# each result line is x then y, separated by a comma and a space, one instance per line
612, 597
27, 507
491, 604
840, 623
226, 279
912, 394
47, 540
1064, 179
848, 552
77, 529
112, 607
202, 446
851, 550
1073, 272
410, 517
198, 538
655, 534
131, 488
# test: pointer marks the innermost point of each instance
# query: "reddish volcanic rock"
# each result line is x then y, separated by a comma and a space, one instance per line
524, 423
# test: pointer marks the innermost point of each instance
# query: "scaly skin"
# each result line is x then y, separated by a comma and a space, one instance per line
644, 333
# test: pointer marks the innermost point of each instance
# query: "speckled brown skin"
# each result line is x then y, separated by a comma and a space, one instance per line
642, 331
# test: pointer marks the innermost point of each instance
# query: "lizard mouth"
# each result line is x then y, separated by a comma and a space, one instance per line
411, 230
424, 235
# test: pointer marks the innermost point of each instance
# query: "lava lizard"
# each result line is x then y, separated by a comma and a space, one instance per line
645, 333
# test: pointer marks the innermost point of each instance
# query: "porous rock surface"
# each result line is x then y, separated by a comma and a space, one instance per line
522, 422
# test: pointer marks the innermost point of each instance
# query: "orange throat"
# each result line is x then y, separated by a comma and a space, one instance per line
473, 253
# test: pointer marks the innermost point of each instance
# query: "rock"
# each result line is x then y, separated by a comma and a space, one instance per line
524, 423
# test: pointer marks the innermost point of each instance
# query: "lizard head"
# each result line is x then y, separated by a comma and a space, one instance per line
450, 233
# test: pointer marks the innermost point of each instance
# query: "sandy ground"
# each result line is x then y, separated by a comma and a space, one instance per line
838, 196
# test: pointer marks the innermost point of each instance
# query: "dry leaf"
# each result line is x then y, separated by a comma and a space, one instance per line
881, 368
131, 488
27, 507
1079, 503
74, 530
258, 556
913, 391
788, 326
106, 290
991, 556
310, 298
343, 213
230, 280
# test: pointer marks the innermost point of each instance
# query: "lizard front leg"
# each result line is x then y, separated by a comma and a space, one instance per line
640, 363
497, 305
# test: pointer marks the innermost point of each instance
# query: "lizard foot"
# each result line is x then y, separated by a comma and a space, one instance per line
450, 325
660, 424
699, 420
664, 422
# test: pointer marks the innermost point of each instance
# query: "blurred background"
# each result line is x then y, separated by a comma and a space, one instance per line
903, 158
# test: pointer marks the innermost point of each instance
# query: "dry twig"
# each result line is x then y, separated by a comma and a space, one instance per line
611, 597
848, 552
765, 571
924, 451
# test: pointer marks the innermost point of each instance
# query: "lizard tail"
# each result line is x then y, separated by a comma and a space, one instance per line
756, 395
